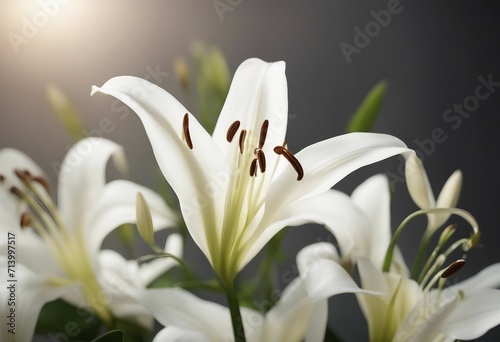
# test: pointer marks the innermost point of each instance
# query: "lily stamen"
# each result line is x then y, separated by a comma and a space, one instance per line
453, 268
253, 168
232, 130
261, 159
280, 150
26, 220
263, 133
241, 142
185, 130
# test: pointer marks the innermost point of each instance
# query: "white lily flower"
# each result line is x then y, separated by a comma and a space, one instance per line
235, 187
463, 311
57, 248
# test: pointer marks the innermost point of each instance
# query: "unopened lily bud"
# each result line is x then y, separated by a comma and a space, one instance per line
182, 72
145, 222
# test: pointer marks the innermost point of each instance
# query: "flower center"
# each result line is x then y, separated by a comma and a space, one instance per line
67, 248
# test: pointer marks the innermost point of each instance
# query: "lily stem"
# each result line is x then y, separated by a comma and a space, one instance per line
234, 309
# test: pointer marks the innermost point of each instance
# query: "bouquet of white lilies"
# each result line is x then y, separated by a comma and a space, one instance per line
237, 188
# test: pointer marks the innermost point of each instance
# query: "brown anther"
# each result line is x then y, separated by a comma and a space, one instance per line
291, 159
263, 133
253, 168
42, 181
453, 268
25, 220
232, 130
243, 134
16, 191
261, 159
185, 127
23, 175
2, 178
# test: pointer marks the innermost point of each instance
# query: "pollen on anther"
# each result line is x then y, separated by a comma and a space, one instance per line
261, 159
253, 168
42, 181
263, 133
280, 150
16, 191
25, 220
2, 178
453, 268
241, 142
232, 130
185, 128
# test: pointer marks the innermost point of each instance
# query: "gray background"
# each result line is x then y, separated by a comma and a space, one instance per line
431, 54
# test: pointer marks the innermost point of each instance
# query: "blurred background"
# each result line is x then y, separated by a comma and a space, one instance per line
433, 56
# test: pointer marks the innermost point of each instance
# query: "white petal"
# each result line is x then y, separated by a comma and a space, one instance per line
288, 319
82, 177
373, 198
489, 277
328, 161
115, 205
115, 275
317, 322
10, 210
448, 197
31, 292
175, 334
332, 208
418, 184
196, 175
308, 255
326, 278
477, 313
258, 92
177, 307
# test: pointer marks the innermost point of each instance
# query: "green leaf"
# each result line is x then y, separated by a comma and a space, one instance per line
364, 118
65, 112
133, 332
61, 320
112, 336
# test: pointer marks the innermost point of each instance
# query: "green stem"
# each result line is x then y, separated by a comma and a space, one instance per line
234, 309
422, 250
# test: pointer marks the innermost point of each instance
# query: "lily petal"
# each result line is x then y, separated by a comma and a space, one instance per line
197, 172
332, 208
175, 334
373, 198
477, 313
258, 92
488, 278
288, 319
448, 197
327, 162
11, 160
179, 308
82, 178
418, 184
114, 272
326, 278
35, 292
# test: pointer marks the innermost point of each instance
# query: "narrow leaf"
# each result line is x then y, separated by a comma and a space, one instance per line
65, 112
364, 118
